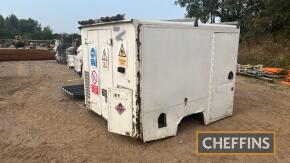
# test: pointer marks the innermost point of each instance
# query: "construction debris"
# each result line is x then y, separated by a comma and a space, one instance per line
255, 71
19, 43
70, 53
59, 48
271, 72
264, 73
65, 51
287, 79
78, 61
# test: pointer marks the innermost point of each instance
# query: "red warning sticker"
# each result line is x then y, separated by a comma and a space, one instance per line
95, 89
94, 82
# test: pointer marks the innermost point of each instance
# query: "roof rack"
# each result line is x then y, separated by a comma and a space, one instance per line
103, 19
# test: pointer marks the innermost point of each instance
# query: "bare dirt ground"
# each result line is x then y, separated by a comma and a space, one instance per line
38, 123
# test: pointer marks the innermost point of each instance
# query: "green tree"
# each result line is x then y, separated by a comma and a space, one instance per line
28, 25
256, 17
2, 23
203, 10
210, 9
3, 31
47, 32
231, 10
12, 22
28, 29
193, 8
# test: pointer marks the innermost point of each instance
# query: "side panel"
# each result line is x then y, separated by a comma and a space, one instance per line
176, 65
225, 48
175, 75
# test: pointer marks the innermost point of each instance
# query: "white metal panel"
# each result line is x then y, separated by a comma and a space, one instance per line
124, 36
105, 68
93, 61
120, 111
109, 77
176, 66
176, 76
85, 68
84, 37
180, 74
165, 24
225, 48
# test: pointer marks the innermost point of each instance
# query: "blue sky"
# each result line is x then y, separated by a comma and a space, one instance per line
63, 15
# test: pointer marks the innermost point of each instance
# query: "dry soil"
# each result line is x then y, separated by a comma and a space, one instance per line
38, 123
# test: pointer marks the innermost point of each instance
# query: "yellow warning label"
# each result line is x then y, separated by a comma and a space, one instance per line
122, 57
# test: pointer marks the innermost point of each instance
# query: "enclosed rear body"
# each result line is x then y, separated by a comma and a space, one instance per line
143, 77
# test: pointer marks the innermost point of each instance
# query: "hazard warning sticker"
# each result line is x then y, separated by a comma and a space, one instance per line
105, 59
122, 56
94, 82
120, 108
94, 77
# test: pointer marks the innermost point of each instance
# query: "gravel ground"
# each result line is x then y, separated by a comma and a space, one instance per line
38, 123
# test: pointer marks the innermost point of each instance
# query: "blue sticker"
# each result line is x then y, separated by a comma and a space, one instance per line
93, 57
93, 62
93, 54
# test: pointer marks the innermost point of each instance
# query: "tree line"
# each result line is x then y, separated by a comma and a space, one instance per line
12, 26
30, 29
255, 17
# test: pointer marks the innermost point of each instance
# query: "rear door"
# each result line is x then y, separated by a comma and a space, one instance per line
106, 75
92, 49
120, 112
223, 76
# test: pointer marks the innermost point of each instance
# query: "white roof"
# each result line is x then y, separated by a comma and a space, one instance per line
186, 23
164, 22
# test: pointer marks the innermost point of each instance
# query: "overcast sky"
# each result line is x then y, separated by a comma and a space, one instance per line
63, 15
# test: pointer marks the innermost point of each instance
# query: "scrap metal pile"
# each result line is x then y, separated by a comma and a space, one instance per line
264, 73
78, 61
59, 48
71, 55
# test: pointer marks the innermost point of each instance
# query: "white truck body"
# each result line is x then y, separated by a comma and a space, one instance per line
144, 77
